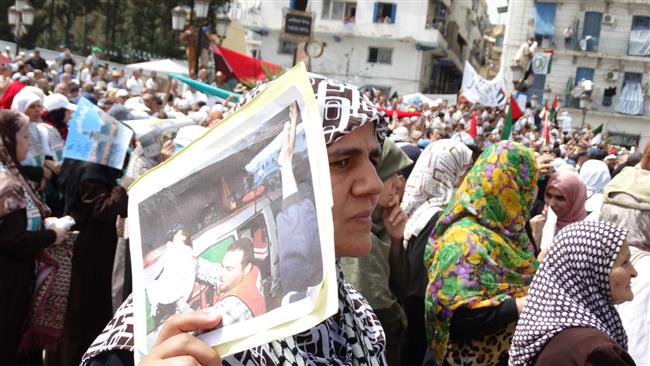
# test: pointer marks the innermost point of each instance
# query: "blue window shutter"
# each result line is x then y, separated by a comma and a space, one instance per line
585, 73
640, 22
537, 88
593, 20
393, 13
545, 19
374, 17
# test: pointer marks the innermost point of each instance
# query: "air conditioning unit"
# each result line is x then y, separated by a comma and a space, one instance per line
611, 75
608, 19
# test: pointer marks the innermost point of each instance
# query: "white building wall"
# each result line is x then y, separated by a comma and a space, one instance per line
345, 56
611, 55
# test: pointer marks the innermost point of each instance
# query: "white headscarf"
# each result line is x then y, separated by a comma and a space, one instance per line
433, 182
571, 289
26, 97
595, 175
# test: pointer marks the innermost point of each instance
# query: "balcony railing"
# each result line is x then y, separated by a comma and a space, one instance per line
603, 104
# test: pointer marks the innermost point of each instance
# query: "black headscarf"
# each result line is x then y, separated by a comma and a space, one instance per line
75, 172
56, 119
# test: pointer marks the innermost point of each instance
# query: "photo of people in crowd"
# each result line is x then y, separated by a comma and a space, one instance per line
231, 234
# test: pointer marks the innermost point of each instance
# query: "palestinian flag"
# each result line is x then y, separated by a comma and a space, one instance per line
514, 113
472, 127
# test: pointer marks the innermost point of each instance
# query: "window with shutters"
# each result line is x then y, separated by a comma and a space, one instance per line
339, 10
380, 55
385, 13
591, 31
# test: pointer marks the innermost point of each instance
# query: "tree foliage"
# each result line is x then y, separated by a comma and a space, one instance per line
127, 30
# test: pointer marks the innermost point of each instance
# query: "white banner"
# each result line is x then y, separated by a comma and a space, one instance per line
541, 62
476, 89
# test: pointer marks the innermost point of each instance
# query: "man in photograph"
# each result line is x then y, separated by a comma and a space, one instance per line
237, 296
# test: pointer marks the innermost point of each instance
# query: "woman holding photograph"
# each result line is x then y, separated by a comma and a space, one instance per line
23, 235
353, 132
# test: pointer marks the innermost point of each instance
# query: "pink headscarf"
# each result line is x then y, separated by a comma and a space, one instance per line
574, 191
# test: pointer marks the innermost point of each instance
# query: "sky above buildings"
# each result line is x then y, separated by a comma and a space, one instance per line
495, 17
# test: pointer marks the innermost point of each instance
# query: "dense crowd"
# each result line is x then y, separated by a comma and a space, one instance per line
454, 246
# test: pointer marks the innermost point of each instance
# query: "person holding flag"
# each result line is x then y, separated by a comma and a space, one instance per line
514, 113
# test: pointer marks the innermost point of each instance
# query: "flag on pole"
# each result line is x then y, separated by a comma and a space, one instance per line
553, 111
550, 61
514, 113
547, 129
472, 127
598, 135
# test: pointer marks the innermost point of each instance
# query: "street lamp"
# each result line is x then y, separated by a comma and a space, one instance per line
199, 10
222, 21
178, 18
19, 16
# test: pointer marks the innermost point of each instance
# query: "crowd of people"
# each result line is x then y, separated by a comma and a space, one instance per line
453, 245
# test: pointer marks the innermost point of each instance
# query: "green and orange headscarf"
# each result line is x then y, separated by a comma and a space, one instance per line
479, 253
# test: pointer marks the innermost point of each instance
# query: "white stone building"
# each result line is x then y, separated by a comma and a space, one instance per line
608, 43
408, 46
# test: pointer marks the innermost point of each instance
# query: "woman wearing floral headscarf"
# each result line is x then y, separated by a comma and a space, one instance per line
480, 259
353, 132
429, 189
23, 236
570, 317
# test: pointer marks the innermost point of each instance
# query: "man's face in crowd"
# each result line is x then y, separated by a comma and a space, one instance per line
203, 74
232, 272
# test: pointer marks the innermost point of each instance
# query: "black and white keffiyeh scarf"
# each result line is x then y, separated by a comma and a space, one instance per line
343, 108
352, 337
571, 289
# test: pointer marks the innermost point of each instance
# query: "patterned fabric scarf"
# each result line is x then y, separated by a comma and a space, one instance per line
353, 336
479, 253
433, 181
53, 263
571, 289
343, 108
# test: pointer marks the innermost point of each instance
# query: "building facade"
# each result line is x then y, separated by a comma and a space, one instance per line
406, 46
604, 41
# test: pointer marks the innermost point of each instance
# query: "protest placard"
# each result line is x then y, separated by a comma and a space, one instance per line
96, 137
153, 132
239, 222
488, 93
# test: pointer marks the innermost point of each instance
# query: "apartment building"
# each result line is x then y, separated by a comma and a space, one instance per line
408, 46
605, 41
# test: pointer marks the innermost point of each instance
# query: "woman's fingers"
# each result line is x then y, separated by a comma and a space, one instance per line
187, 345
178, 361
188, 322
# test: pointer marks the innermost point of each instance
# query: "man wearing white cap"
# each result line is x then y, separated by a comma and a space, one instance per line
121, 95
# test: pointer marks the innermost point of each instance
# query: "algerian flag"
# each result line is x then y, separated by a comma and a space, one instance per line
598, 135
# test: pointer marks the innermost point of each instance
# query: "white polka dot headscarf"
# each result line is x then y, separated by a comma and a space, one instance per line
343, 108
571, 289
